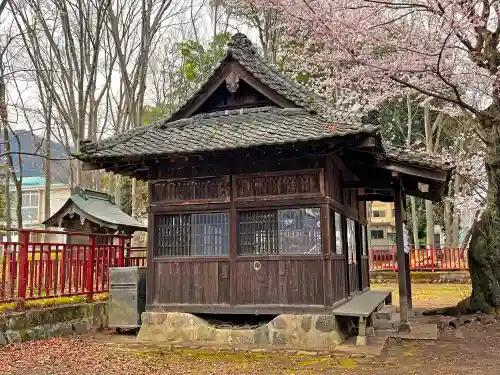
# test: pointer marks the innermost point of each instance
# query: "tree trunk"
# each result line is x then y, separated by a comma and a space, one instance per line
429, 211
126, 195
413, 202
455, 215
111, 179
133, 197
7, 148
448, 224
429, 218
48, 174
484, 249
118, 191
8, 212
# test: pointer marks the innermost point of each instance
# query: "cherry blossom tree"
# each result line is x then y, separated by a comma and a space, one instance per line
444, 49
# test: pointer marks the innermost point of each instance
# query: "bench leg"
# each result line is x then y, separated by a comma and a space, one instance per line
361, 340
370, 331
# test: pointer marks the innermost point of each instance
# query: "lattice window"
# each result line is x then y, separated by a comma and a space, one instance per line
258, 232
210, 234
289, 231
339, 245
351, 241
192, 234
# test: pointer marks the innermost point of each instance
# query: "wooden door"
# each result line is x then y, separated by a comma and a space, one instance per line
353, 256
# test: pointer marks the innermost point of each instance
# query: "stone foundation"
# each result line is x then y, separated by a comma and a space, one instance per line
54, 321
298, 331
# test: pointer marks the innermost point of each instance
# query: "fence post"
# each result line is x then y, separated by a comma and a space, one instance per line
121, 252
393, 259
432, 259
90, 269
24, 237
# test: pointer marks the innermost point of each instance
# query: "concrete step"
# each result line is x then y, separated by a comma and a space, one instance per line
382, 325
388, 312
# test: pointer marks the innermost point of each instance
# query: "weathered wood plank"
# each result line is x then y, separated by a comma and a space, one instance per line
192, 283
339, 277
275, 281
278, 184
363, 304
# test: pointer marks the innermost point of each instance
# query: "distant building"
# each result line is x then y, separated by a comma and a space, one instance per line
33, 198
381, 226
382, 230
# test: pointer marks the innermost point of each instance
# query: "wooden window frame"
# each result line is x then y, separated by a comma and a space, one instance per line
163, 257
275, 210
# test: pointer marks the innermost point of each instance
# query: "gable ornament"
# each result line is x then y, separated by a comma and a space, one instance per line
232, 82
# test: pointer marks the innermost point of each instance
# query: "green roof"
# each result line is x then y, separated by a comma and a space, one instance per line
96, 207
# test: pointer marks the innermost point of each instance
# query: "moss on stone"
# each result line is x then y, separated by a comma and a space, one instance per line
49, 302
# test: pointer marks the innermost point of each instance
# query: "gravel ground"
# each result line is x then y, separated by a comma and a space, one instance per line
472, 349
469, 350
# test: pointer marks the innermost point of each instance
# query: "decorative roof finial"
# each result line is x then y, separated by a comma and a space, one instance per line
241, 41
371, 117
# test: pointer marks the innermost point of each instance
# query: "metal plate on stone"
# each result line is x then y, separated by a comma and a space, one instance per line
127, 297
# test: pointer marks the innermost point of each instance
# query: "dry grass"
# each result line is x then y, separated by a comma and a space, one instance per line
431, 295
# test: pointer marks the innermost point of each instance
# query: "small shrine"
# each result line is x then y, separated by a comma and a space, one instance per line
90, 211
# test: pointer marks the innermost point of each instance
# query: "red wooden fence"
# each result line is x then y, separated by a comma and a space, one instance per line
33, 269
433, 259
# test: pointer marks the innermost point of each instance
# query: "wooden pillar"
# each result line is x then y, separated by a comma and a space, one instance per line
407, 264
404, 289
150, 273
233, 248
326, 244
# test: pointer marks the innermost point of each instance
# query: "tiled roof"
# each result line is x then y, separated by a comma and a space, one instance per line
240, 48
97, 207
404, 155
240, 128
314, 119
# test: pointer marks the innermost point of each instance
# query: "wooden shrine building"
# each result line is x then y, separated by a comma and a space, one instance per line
90, 211
257, 193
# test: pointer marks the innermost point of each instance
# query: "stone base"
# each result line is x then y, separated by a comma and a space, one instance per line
308, 331
52, 322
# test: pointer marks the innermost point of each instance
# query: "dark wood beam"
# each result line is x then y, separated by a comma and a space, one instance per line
429, 174
368, 142
260, 87
208, 90
369, 183
352, 185
375, 197
403, 268
88, 166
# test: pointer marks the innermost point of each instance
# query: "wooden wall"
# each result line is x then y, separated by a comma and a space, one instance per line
254, 283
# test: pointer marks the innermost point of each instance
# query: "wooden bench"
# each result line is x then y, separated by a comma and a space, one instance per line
363, 306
